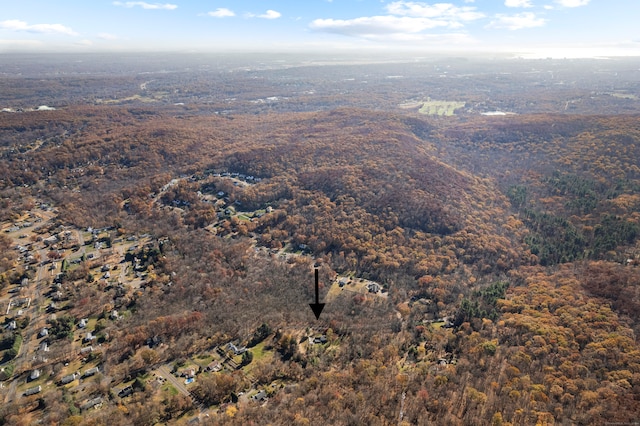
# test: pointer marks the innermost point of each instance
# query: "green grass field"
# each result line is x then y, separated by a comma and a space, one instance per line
624, 96
440, 107
259, 352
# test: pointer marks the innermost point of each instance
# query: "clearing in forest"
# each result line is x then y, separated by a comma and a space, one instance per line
432, 107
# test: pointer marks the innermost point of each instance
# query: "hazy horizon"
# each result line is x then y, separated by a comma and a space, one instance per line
523, 28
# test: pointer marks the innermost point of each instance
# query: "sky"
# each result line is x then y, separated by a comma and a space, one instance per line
534, 28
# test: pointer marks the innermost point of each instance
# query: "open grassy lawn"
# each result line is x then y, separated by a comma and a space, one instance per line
440, 107
203, 360
259, 352
73, 367
356, 285
91, 324
334, 291
168, 387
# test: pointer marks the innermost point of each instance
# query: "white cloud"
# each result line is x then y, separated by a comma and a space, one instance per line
107, 36
18, 25
390, 29
145, 5
221, 12
446, 11
517, 21
406, 20
572, 3
518, 3
378, 25
270, 14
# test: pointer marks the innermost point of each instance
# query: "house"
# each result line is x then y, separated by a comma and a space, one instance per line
50, 240
24, 282
86, 350
373, 287
33, 391
12, 325
68, 379
83, 323
91, 403
213, 367
125, 392
236, 350
44, 347
260, 396
34, 375
189, 373
447, 322
318, 340
343, 281
88, 337
90, 372
114, 315
24, 301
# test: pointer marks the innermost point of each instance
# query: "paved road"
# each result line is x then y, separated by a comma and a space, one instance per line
177, 383
165, 372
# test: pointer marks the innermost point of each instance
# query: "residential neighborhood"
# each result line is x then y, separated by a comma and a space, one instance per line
55, 348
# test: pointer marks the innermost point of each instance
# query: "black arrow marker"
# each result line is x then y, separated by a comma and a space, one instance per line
317, 307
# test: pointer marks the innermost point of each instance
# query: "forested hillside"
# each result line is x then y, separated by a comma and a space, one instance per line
505, 248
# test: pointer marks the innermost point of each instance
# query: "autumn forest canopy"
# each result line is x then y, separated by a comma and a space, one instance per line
475, 224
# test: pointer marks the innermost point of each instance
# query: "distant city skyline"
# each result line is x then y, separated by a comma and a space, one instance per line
527, 28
